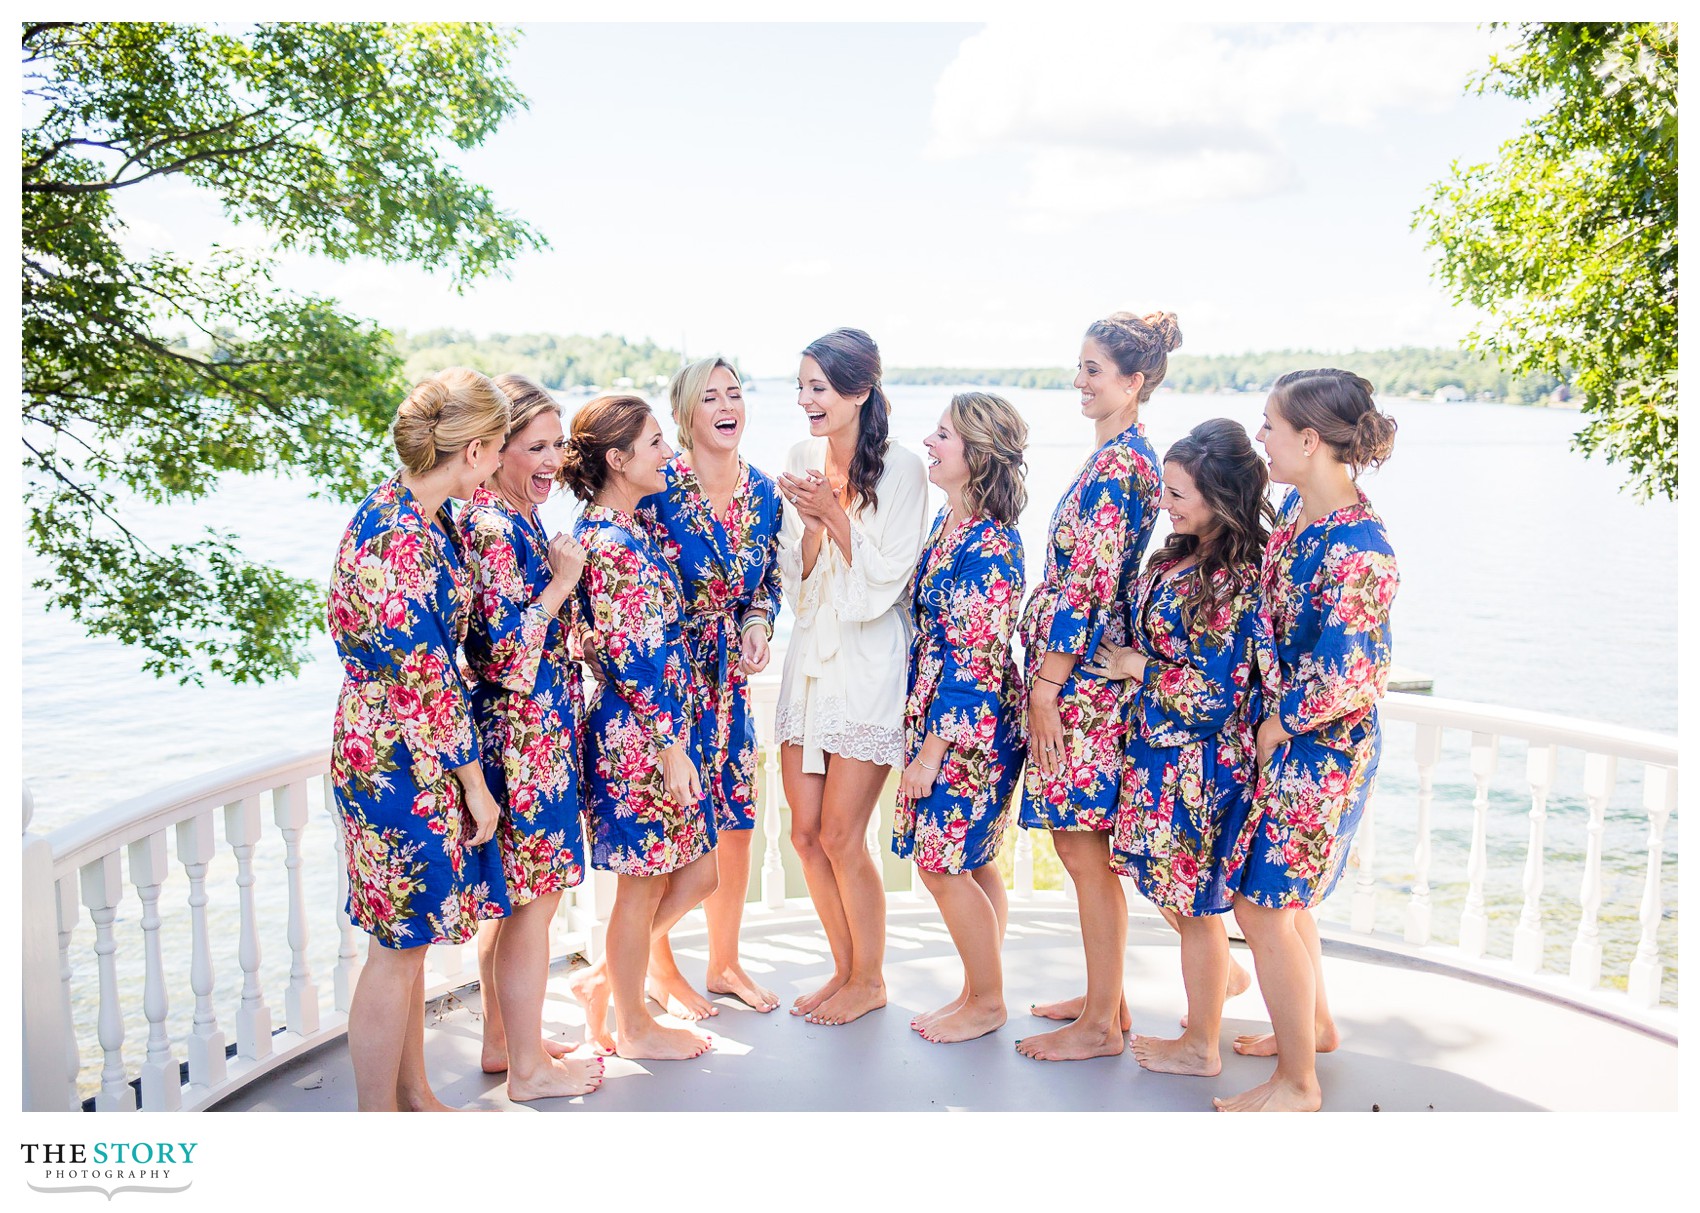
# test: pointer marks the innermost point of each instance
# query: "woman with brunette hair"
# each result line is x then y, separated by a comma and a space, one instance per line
1076, 719
719, 521
852, 535
1187, 779
1328, 583
528, 707
964, 736
416, 813
650, 821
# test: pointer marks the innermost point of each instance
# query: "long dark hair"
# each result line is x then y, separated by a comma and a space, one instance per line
1233, 482
851, 363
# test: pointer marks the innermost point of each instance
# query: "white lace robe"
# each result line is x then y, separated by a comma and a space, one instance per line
841, 690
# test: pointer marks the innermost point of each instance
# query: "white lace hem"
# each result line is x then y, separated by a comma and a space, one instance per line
833, 733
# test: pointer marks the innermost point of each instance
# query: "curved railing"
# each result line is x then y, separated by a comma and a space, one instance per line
182, 980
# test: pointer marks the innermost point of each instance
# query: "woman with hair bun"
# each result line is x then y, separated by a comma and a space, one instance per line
1328, 583
1076, 719
528, 707
964, 735
852, 535
650, 821
416, 813
719, 520
1187, 778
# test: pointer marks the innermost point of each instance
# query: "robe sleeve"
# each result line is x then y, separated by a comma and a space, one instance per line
624, 595
978, 625
884, 547
508, 628
764, 604
1111, 511
1346, 671
1181, 703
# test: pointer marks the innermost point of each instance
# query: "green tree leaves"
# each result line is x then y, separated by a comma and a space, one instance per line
332, 137
1568, 240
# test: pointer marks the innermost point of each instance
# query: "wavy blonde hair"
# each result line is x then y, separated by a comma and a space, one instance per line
529, 399
445, 412
994, 440
687, 388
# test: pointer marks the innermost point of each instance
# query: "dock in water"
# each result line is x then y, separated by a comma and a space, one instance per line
1403, 678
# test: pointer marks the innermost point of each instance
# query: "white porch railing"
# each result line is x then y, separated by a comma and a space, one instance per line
208, 965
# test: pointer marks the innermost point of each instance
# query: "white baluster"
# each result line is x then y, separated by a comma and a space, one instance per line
1417, 912
772, 862
195, 845
1472, 926
1363, 852
1023, 862
162, 1083
46, 1031
301, 1000
348, 951
1530, 940
103, 887
1599, 777
1647, 971
65, 895
253, 1018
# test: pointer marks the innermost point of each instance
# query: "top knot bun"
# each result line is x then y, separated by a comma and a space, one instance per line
1139, 345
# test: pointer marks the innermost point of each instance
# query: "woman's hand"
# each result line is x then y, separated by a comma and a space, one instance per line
753, 649
1044, 729
816, 503
1115, 663
917, 780
479, 803
1269, 735
566, 560
679, 776
590, 654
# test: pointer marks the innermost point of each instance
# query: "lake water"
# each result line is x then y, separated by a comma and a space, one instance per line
1527, 580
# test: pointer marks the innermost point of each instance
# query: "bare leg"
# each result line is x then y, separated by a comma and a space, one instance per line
725, 911
805, 793
1288, 982
852, 792
1262, 1044
669, 987
413, 1087
380, 1020
991, 883
1204, 969
1103, 934
493, 1053
522, 972
631, 925
974, 928
1239, 981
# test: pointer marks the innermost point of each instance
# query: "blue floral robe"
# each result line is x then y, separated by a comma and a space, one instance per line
1098, 536
1324, 654
1181, 827
964, 686
630, 597
527, 703
399, 599
728, 569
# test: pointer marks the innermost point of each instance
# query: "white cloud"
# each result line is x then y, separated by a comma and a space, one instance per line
1127, 115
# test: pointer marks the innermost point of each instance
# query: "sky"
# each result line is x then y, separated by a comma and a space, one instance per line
970, 194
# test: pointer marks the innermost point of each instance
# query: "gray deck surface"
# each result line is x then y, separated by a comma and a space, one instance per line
1412, 1039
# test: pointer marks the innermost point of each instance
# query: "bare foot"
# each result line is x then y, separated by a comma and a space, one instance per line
968, 1023
1069, 1009
677, 997
853, 1001
1181, 1056
1262, 1044
734, 981
494, 1058
1274, 1096
589, 987
1075, 1042
920, 1021
427, 1101
804, 1003
657, 1043
561, 1077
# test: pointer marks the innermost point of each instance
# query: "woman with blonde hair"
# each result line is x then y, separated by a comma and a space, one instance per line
417, 816
719, 521
964, 736
651, 822
529, 709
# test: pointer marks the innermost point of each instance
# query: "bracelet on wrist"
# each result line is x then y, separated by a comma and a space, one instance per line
925, 763
1052, 681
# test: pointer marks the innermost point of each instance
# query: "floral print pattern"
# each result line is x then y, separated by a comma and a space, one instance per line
630, 597
399, 600
1098, 536
527, 702
1181, 828
1326, 642
965, 688
728, 570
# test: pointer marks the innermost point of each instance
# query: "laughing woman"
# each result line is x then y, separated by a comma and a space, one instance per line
851, 540
1076, 719
720, 521
1328, 583
963, 719
528, 707
416, 812
650, 821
